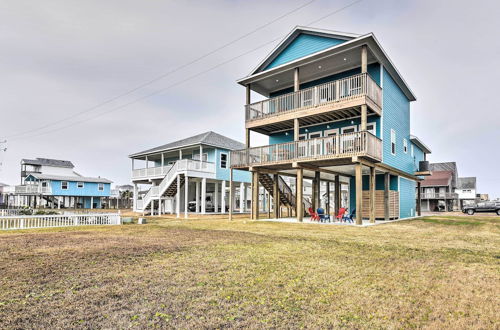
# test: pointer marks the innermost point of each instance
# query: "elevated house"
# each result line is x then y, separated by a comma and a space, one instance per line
466, 190
188, 176
438, 191
335, 109
54, 183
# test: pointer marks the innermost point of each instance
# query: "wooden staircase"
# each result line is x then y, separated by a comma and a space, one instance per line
172, 189
286, 195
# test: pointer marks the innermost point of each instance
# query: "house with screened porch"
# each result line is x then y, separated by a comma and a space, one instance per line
190, 175
337, 113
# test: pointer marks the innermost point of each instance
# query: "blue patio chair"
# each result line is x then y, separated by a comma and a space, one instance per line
322, 216
350, 217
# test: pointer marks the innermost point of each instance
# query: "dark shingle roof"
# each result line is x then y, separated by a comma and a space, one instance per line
466, 183
209, 138
48, 162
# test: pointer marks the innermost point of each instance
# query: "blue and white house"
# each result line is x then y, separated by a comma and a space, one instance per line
54, 183
336, 110
188, 176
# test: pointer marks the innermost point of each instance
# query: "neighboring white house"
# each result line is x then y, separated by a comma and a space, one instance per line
466, 190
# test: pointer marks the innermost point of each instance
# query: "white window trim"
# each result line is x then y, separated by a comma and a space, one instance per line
67, 185
393, 140
78, 185
202, 155
304, 136
100, 187
333, 130
227, 160
348, 127
405, 146
319, 132
374, 127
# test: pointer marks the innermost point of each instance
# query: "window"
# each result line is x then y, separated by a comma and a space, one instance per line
223, 160
405, 146
370, 127
332, 132
302, 137
393, 142
348, 129
44, 184
79, 184
64, 185
315, 135
204, 157
100, 187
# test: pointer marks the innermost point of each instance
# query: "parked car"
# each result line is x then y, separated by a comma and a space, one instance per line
482, 207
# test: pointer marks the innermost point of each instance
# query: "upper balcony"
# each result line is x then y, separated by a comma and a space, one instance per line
338, 99
194, 167
33, 189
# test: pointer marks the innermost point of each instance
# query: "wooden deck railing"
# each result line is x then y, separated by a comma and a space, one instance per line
338, 146
435, 195
334, 91
33, 189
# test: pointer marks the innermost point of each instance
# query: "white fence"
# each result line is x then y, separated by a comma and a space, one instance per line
49, 221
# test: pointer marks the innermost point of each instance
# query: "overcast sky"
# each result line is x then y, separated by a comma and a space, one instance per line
59, 58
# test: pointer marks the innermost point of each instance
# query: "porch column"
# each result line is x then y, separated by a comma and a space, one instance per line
372, 194
186, 196
247, 102
216, 197
359, 193
300, 194
317, 187
197, 197
201, 153
276, 196
296, 129
364, 69
387, 214
147, 163
178, 197
231, 194
91, 202
327, 211
242, 190
419, 198
245, 197
223, 197
180, 154
296, 80
134, 200
338, 192
255, 195
203, 195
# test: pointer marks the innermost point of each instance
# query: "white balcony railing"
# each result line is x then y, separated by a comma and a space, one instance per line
151, 172
338, 146
438, 195
33, 189
334, 91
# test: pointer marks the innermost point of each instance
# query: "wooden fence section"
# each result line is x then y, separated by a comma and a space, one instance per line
379, 204
50, 221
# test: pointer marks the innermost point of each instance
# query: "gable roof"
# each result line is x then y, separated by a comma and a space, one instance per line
316, 40
420, 144
208, 138
48, 162
351, 41
438, 178
68, 178
446, 166
466, 183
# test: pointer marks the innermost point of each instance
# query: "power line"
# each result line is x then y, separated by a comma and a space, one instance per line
181, 81
157, 78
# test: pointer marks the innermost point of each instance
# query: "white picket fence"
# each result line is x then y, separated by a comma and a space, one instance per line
49, 221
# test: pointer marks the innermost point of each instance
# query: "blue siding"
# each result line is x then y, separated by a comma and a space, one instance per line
87, 201
418, 155
303, 45
89, 189
396, 115
407, 198
223, 173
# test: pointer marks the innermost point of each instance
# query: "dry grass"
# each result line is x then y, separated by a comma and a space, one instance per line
430, 273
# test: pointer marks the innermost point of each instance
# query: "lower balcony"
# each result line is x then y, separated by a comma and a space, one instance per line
159, 172
33, 189
358, 144
441, 195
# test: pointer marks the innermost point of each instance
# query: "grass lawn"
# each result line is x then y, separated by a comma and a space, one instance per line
439, 272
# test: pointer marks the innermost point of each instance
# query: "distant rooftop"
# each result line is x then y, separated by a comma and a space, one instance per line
466, 183
438, 178
48, 162
446, 166
69, 178
208, 138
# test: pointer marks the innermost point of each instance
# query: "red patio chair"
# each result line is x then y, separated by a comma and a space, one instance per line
314, 215
340, 215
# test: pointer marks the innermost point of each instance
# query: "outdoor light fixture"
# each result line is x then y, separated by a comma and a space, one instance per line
327, 126
286, 133
345, 59
319, 67
352, 122
277, 80
307, 130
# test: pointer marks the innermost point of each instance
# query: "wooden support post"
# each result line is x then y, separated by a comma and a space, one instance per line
359, 193
300, 194
242, 193
276, 196
386, 197
372, 194
223, 197
296, 129
364, 59
327, 197
317, 187
231, 194
186, 198
255, 195
296, 80
178, 197
247, 137
338, 193
204, 194
364, 117
419, 198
